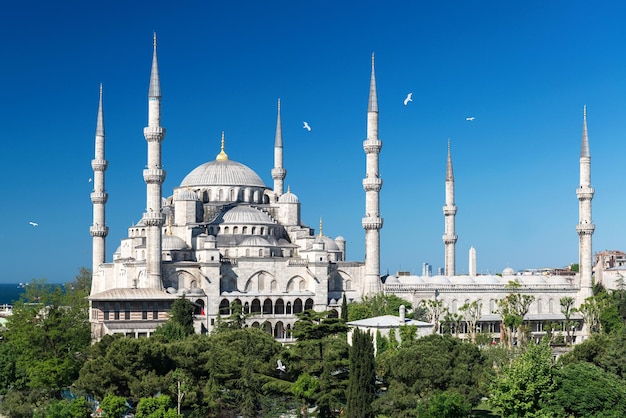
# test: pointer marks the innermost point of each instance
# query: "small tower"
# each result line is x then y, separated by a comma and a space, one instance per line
472, 262
372, 183
99, 197
154, 175
278, 172
449, 212
585, 225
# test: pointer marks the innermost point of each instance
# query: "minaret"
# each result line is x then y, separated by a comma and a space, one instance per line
154, 175
278, 172
449, 211
585, 226
472, 262
372, 183
99, 197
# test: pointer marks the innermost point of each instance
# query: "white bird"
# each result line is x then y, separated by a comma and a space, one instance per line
306, 126
408, 98
33, 223
471, 118
90, 180
281, 366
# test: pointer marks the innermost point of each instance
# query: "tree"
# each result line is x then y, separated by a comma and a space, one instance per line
362, 379
434, 309
591, 310
427, 366
181, 313
113, 406
444, 405
344, 308
377, 305
567, 308
512, 308
321, 351
158, 407
471, 313
524, 388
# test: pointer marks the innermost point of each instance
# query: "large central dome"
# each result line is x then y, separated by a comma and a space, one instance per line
222, 173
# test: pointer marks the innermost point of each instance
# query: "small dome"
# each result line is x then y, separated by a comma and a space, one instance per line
246, 215
392, 280
508, 272
222, 173
487, 279
172, 242
329, 243
288, 198
462, 280
532, 280
439, 280
186, 194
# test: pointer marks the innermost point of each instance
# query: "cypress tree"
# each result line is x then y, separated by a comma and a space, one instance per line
344, 308
361, 383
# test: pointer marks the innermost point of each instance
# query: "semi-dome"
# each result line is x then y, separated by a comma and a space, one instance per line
255, 241
508, 272
246, 215
172, 242
288, 198
329, 243
222, 173
186, 194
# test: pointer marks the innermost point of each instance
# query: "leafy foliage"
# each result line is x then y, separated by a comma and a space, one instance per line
362, 378
377, 305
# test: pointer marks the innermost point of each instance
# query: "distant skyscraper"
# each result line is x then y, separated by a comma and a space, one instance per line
427, 270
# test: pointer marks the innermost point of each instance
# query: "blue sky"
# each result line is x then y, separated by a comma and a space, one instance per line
524, 70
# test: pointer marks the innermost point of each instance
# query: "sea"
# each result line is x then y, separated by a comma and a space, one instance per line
10, 292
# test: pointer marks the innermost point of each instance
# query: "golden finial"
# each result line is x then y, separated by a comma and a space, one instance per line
222, 156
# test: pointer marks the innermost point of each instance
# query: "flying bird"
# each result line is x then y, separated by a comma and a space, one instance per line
281, 366
90, 180
408, 98
471, 118
306, 126
33, 223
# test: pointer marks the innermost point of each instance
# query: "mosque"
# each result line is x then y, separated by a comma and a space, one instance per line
224, 238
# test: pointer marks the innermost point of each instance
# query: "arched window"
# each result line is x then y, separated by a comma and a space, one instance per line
288, 331
279, 307
308, 304
267, 307
297, 306
288, 309
279, 330
224, 307
333, 314
246, 308
199, 307
256, 306
245, 230
235, 229
255, 324
273, 286
267, 327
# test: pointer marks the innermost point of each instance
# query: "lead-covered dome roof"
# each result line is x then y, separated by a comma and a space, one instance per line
222, 173
246, 215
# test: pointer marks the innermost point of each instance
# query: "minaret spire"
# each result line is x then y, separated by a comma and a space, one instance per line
222, 156
278, 172
99, 197
449, 212
372, 183
585, 227
154, 175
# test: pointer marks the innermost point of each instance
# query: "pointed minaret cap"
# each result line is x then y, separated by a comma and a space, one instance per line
155, 86
584, 149
100, 122
278, 142
222, 156
372, 105
449, 172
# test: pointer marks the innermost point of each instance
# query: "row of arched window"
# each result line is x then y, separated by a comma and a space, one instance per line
269, 307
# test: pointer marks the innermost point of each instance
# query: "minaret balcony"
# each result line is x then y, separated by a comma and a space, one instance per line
154, 133
153, 175
99, 165
585, 193
279, 173
372, 223
450, 239
152, 218
99, 197
99, 230
372, 145
449, 210
585, 229
372, 184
